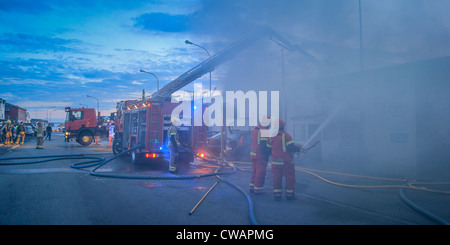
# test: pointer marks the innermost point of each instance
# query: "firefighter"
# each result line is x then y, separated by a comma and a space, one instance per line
20, 133
39, 136
8, 132
283, 148
259, 154
174, 144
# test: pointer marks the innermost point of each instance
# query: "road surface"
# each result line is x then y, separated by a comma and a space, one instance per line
53, 193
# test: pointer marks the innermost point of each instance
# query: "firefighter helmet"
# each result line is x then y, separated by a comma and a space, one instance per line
279, 123
265, 121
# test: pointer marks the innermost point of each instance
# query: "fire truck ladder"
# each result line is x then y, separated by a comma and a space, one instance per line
224, 55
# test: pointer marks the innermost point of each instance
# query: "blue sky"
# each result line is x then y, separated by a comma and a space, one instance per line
55, 52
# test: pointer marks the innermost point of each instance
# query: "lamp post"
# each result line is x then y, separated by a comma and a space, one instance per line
361, 54
187, 42
98, 109
47, 111
50, 116
157, 80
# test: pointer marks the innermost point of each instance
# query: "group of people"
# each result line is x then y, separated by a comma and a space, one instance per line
282, 149
8, 130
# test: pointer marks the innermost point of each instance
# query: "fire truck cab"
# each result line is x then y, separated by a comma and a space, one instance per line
82, 125
146, 122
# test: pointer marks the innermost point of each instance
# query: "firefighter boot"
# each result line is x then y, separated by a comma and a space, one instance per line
290, 195
259, 190
251, 188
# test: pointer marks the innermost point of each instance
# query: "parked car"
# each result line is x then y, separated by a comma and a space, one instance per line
29, 130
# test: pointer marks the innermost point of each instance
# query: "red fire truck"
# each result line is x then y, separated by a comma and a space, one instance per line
145, 122
83, 125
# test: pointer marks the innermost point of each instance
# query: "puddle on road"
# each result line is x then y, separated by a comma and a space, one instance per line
199, 188
151, 184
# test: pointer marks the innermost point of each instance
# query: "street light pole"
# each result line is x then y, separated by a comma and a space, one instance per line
47, 111
157, 80
98, 108
361, 54
187, 42
191, 43
50, 117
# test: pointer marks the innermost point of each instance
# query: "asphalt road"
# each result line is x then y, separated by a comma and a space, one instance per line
53, 193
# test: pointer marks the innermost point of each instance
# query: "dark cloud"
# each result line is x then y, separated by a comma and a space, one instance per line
43, 6
162, 22
25, 6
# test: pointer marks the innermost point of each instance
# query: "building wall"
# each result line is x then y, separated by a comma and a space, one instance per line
393, 121
15, 113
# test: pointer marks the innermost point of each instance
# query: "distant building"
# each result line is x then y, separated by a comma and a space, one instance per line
15, 113
2, 109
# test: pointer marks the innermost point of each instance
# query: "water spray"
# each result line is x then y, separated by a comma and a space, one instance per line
326, 122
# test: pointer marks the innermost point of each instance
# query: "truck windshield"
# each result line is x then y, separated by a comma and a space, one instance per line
68, 116
74, 115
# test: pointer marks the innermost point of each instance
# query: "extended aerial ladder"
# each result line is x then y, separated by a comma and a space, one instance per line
221, 57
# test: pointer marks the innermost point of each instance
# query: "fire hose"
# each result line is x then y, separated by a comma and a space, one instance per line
304, 150
99, 162
402, 196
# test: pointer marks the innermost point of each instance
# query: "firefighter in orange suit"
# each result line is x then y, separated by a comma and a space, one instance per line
8, 130
39, 136
20, 133
283, 148
259, 154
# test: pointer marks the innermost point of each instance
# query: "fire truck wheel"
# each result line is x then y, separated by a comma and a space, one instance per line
117, 146
85, 138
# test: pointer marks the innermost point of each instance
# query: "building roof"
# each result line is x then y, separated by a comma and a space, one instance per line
9, 105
